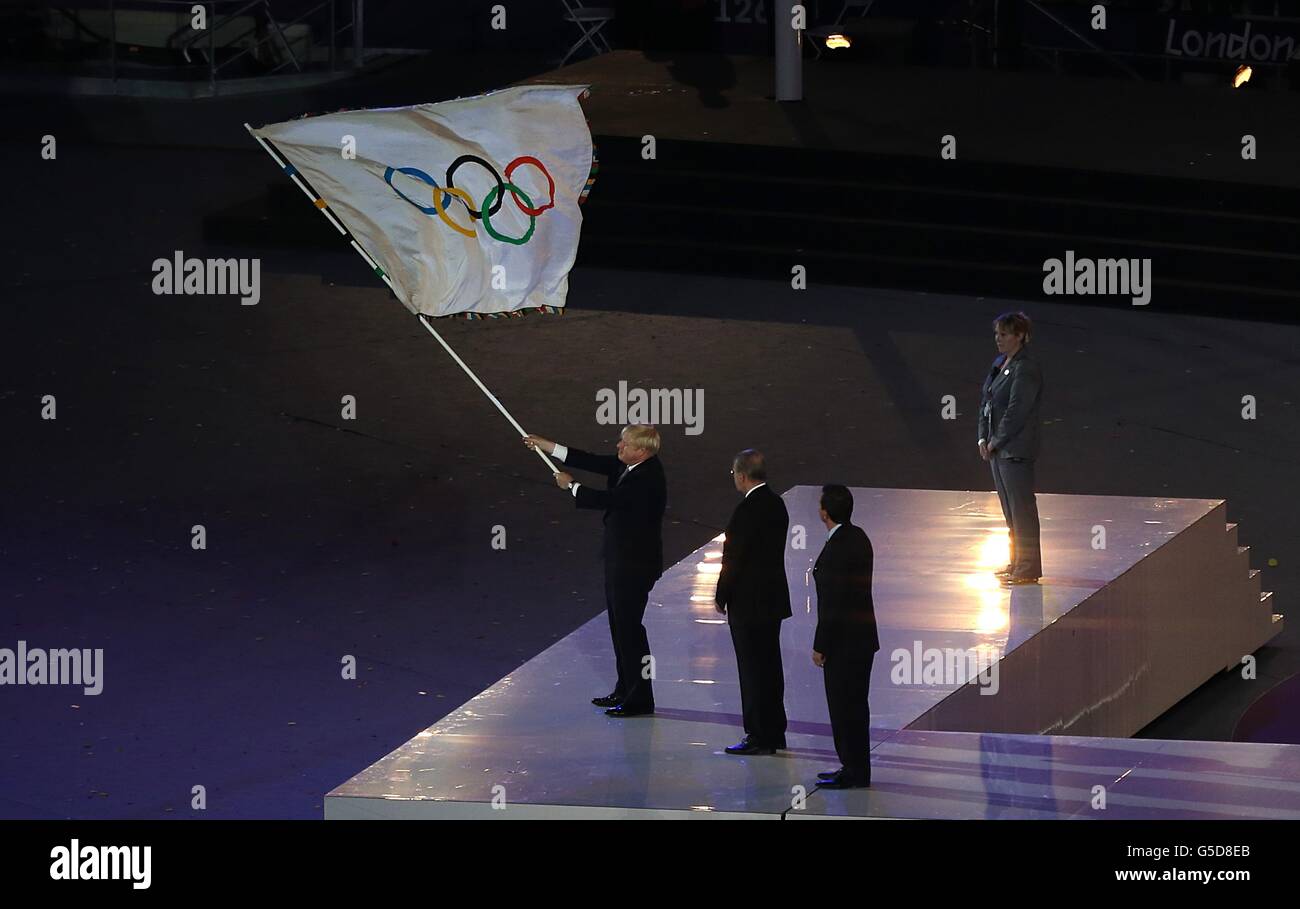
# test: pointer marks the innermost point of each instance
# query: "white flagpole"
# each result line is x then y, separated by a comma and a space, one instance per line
483, 388
324, 209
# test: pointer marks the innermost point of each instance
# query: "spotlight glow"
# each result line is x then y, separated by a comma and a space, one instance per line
995, 551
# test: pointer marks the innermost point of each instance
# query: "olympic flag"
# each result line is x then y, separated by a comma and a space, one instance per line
465, 206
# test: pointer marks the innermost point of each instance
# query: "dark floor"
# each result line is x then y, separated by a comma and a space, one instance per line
373, 538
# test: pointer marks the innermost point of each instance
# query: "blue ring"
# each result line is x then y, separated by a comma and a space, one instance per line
419, 175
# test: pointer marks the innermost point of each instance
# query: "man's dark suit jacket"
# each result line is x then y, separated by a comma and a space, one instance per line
1011, 405
752, 584
846, 619
634, 510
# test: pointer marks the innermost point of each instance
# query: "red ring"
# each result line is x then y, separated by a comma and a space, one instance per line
529, 159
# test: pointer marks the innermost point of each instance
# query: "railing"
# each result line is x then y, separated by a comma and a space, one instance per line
991, 29
1089, 46
226, 38
1119, 59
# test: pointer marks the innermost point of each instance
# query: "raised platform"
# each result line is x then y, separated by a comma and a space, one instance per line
1111, 638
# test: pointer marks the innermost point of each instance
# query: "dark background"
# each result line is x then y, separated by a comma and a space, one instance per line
372, 538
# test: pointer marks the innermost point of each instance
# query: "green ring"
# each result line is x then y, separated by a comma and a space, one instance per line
487, 222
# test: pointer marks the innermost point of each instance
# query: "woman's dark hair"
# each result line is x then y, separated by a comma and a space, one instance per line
1015, 322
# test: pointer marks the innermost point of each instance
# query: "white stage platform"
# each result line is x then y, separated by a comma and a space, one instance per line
1111, 638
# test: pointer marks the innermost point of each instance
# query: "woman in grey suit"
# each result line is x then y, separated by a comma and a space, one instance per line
1008, 439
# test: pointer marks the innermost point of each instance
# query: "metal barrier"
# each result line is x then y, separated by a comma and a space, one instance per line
233, 30
1089, 45
1119, 59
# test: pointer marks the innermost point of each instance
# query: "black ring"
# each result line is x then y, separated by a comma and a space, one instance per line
501, 187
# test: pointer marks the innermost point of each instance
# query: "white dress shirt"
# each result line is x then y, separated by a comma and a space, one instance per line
561, 453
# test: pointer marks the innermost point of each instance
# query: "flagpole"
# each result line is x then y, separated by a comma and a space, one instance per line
483, 388
324, 209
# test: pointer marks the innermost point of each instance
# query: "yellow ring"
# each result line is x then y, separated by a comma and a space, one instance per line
442, 213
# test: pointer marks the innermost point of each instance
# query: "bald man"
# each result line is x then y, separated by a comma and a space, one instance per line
754, 596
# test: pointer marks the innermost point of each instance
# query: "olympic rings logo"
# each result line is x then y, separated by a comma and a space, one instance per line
442, 196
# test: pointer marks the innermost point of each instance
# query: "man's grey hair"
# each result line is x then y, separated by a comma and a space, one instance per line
750, 463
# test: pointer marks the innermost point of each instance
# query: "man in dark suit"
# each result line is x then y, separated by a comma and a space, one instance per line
633, 501
753, 594
846, 641
1009, 421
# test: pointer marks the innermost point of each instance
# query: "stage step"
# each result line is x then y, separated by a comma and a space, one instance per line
893, 221
1184, 612
940, 226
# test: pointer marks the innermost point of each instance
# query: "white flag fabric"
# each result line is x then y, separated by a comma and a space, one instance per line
468, 205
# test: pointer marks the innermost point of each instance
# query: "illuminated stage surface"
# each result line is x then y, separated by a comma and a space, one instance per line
1111, 638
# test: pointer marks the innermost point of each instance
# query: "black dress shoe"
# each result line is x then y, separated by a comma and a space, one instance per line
608, 700
748, 746
624, 710
829, 774
843, 780
1017, 581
